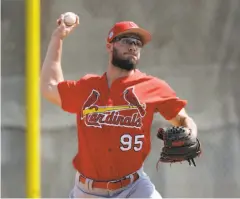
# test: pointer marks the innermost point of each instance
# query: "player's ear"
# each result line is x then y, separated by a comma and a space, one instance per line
109, 47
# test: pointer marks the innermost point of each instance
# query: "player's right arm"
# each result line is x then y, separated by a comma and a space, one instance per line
51, 74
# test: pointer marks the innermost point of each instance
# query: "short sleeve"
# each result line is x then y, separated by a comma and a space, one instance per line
69, 92
167, 103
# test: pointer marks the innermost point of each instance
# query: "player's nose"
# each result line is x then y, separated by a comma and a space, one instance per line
132, 47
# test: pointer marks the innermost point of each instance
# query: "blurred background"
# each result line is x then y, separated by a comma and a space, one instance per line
195, 48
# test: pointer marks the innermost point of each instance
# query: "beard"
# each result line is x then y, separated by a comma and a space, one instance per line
126, 64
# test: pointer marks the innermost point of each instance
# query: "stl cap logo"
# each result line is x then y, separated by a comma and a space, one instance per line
110, 35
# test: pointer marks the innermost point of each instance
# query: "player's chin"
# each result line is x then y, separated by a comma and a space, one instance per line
133, 60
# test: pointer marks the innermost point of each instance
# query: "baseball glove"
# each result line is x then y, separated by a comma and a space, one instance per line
179, 145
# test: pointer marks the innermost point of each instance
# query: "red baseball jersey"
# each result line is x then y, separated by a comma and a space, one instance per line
114, 123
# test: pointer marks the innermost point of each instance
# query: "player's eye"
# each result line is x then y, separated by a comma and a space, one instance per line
131, 41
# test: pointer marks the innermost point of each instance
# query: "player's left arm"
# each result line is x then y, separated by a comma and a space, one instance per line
183, 119
171, 107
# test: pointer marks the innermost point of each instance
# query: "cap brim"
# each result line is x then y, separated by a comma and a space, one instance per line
144, 34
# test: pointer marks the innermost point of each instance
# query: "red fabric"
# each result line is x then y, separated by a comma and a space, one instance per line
128, 27
167, 102
69, 92
114, 124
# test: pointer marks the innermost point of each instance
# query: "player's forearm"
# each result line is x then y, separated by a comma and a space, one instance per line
51, 73
183, 119
189, 123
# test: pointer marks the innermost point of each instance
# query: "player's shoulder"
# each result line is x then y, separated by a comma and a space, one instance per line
88, 78
157, 81
91, 77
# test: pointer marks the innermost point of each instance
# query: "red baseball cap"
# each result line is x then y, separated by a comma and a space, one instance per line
124, 27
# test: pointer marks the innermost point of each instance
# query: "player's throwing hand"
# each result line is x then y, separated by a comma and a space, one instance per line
64, 30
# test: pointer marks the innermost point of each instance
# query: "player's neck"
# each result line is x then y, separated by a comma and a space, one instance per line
114, 73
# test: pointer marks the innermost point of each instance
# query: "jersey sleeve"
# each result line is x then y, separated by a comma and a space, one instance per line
69, 92
168, 104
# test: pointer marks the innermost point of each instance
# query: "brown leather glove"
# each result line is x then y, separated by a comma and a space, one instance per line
179, 145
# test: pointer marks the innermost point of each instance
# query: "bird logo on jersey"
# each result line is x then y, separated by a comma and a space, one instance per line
96, 116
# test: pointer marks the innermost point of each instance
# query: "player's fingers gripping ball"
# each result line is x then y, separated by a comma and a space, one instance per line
179, 145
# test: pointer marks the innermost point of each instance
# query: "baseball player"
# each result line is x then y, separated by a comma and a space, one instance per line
114, 113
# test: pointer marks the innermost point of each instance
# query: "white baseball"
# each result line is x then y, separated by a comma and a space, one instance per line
70, 18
